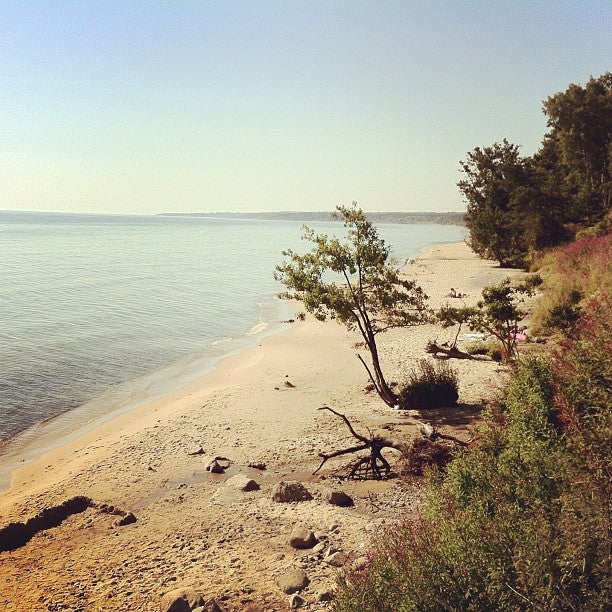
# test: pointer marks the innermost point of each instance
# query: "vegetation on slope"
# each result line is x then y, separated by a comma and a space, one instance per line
520, 520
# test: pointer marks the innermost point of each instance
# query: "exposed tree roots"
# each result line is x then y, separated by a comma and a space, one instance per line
374, 465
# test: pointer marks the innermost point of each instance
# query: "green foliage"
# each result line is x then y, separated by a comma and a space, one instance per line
497, 313
354, 282
521, 522
494, 177
574, 274
491, 349
519, 205
432, 385
580, 119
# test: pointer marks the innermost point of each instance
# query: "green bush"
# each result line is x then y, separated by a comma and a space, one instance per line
519, 522
489, 348
430, 386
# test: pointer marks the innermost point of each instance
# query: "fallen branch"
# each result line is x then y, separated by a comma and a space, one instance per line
432, 434
451, 352
374, 465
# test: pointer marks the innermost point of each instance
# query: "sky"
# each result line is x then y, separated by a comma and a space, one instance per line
149, 107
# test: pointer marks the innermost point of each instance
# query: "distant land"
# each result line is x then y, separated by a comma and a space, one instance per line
445, 218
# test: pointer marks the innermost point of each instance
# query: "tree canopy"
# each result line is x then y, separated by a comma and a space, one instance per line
354, 282
517, 205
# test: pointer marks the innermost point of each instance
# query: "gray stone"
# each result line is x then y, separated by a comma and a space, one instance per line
292, 580
128, 519
296, 601
340, 498
210, 606
319, 548
302, 537
336, 559
214, 467
181, 600
215, 464
242, 483
291, 491
325, 594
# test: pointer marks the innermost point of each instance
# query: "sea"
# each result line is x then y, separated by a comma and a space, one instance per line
100, 313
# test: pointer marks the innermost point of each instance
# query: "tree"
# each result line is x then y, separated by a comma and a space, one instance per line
498, 313
355, 283
495, 177
580, 119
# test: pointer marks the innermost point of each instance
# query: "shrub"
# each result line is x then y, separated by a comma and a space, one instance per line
519, 522
430, 386
491, 349
423, 454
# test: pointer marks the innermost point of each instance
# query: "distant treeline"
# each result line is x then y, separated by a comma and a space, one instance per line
445, 218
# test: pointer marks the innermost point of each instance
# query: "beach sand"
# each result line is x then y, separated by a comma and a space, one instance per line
261, 405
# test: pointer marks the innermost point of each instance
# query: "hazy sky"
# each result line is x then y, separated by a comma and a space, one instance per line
145, 107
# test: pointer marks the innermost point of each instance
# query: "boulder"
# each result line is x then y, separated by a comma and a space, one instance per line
215, 464
302, 537
336, 559
258, 465
196, 450
325, 594
292, 580
340, 498
290, 491
128, 519
242, 483
296, 601
181, 600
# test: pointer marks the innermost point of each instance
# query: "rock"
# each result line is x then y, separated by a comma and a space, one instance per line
361, 563
291, 491
296, 601
242, 483
181, 600
196, 450
215, 464
289, 384
128, 519
302, 537
319, 548
325, 594
258, 465
210, 606
336, 559
340, 498
292, 580
214, 467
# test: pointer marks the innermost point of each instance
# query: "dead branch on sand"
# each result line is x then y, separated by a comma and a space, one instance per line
372, 466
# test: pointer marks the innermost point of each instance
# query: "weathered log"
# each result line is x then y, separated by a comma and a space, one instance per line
451, 352
374, 465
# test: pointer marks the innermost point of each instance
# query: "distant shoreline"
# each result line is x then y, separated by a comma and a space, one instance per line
444, 218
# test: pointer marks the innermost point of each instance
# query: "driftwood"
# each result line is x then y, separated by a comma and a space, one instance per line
451, 352
372, 466
432, 434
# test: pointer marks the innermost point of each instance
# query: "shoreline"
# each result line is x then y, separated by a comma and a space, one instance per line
31, 443
192, 529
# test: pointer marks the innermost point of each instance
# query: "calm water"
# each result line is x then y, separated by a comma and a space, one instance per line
102, 310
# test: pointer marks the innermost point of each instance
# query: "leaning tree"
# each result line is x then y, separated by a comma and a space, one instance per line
354, 282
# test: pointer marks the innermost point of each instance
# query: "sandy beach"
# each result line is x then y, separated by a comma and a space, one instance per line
194, 529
